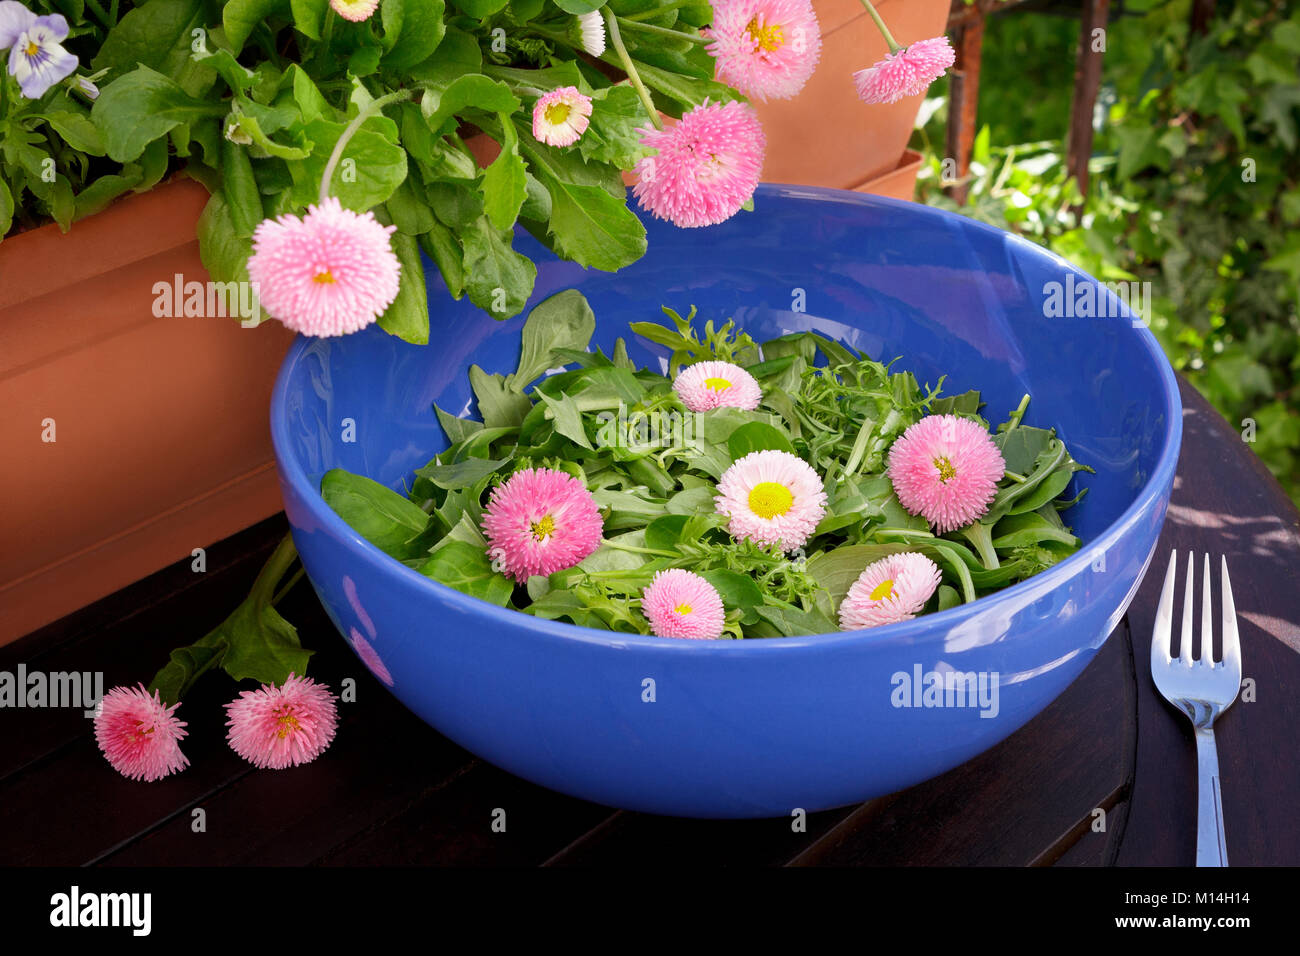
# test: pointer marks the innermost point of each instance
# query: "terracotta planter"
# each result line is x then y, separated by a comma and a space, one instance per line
161, 439
826, 136
897, 183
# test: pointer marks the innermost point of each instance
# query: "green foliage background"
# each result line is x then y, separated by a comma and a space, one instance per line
1195, 186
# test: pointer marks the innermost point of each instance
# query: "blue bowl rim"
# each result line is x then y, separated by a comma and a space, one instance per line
918, 631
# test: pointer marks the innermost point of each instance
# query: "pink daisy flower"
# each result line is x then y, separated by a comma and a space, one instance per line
764, 48
355, 10
539, 522
370, 657
139, 734
706, 165
329, 273
895, 588
947, 469
708, 385
277, 727
906, 73
560, 117
773, 497
680, 603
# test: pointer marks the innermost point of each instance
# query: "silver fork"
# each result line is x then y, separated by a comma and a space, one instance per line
1202, 690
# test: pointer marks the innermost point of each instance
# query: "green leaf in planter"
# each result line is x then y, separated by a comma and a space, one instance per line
96, 197
579, 7
378, 514
612, 135
309, 16
223, 252
241, 18
442, 247
76, 130
6, 208
372, 166
473, 91
757, 436
408, 315
458, 55
410, 211
686, 91
499, 280
462, 474
311, 104
159, 36
153, 165
588, 224
141, 106
498, 405
412, 31
480, 9
504, 181
562, 321
468, 569
63, 205
239, 188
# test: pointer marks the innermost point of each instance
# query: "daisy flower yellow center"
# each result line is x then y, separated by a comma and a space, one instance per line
325, 277
543, 529
557, 113
946, 471
883, 590
769, 37
288, 725
717, 384
683, 609
770, 499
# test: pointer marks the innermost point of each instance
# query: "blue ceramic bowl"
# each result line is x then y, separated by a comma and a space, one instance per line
758, 727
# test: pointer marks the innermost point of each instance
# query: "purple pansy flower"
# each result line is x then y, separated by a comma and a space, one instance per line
36, 58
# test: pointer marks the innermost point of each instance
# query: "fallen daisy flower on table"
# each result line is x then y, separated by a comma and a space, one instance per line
139, 734
277, 727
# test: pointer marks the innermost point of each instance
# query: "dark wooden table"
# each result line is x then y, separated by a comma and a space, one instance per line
392, 790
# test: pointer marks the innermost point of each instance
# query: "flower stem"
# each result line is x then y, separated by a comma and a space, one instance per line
664, 32
1019, 413
894, 45
370, 110
633, 549
634, 78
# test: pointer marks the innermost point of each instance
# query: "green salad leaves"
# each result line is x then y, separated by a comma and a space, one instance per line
653, 467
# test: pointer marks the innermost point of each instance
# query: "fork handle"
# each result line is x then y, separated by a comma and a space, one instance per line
1211, 847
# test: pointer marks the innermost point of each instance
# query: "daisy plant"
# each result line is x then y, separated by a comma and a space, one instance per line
479, 116
789, 487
